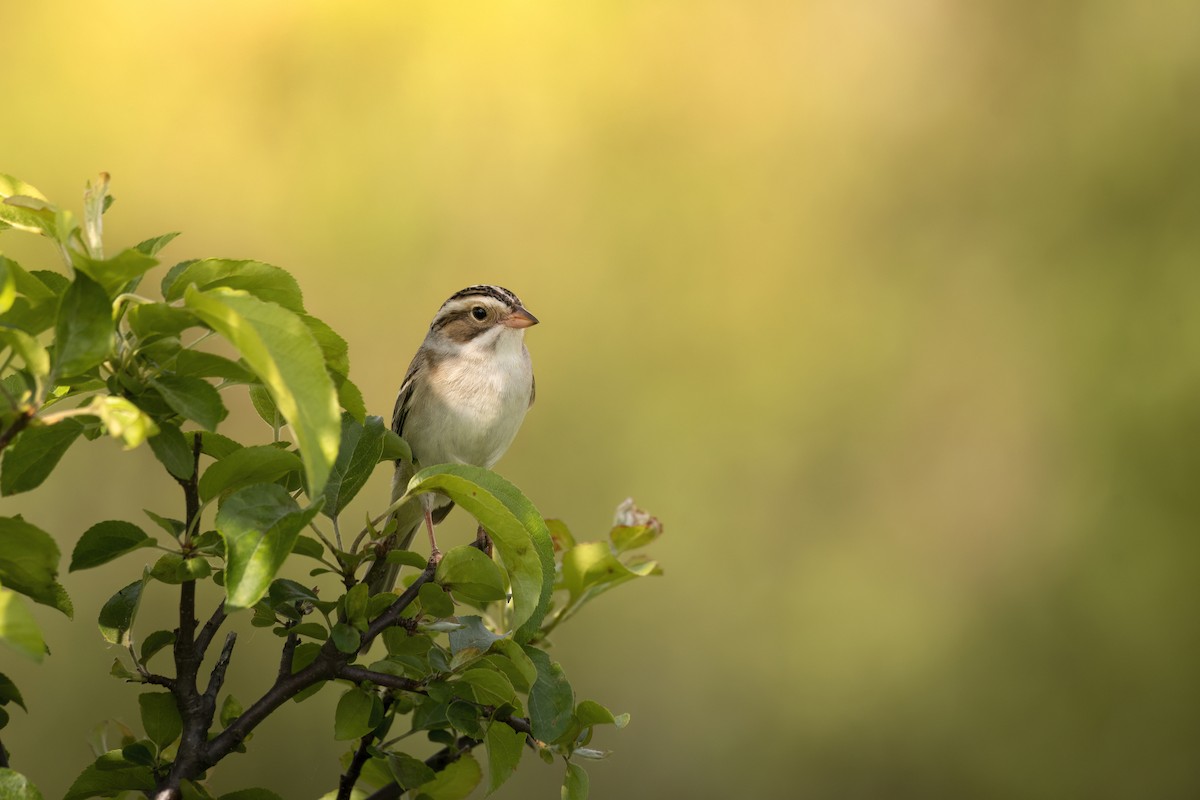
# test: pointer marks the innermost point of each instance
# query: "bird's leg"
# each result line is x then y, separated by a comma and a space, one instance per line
435, 555
483, 541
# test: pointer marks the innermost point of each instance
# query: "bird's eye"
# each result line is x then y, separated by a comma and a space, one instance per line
479, 313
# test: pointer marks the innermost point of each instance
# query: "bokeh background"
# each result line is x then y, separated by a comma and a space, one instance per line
888, 310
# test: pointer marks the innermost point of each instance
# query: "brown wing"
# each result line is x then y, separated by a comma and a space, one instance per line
404, 396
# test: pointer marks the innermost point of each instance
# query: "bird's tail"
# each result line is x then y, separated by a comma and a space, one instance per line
404, 523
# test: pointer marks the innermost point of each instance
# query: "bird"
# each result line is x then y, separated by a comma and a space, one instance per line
462, 401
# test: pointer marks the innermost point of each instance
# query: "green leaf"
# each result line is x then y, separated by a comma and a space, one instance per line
284, 591
152, 246
471, 574
175, 527
349, 396
35, 357
308, 546
435, 602
120, 671
28, 284
30, 459
409, 772
251, 794
160, 717
489, 687
192, 398
395, 448
517, 530
36, 304
17, 627
117, 615
122, 420
245, 467
352, 720
25, 208
159, 319
105, 541
231, 709
590, 712
631, 537
9, 692
30, 318
172, 450
138, 753
575, 783
209, 365
259, 525
113, 273
407, 558
154, 642
473, 635
313, 630
264, 406
520, 669
345, 637
455, 782
110, 774
356, 605
84, 330
264, 281
465, 716
551, 700
8, 286
15, 786
359, 452
173, 568
213, 444
28, 560
333, 347
588, 564
504, 748
281, 351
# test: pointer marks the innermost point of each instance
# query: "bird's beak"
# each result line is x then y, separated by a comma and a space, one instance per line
520, 319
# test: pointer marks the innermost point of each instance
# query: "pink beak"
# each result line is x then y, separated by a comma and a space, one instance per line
520, 319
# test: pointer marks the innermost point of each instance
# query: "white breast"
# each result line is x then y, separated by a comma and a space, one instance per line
473, 403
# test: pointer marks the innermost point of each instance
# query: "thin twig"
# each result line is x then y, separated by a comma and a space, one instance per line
322, 536
17, 426
358, 674
217, 677
210, 629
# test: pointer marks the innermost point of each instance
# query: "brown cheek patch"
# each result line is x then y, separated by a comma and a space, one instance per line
462, 329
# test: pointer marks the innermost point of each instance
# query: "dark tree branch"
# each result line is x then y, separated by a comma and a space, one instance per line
323, 667
157, 680
437, 762
210, 629
350, 777
217, 678
17, 426
326, 666
196, 756
449, 754
3, 757
195, 709
358, 674
288, 655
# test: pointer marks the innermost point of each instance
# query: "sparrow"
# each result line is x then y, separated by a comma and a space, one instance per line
462, 401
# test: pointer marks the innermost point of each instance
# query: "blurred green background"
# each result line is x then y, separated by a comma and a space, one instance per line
888, 310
